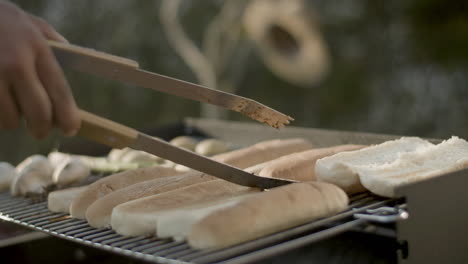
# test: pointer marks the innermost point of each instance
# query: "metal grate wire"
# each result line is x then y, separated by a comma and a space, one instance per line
35, 215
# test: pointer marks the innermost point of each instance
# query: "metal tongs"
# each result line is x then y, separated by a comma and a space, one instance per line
127, 71
117, 135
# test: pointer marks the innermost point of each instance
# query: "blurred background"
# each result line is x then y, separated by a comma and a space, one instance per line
393, 67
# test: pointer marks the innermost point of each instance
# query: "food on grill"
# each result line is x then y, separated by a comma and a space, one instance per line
35, 161
117, 154
7, 174
139, 217
207, 147
300, 166
341, 169
34, 175
128, 155
59, 201
256, 154
255, 169
98, 214
263, 213
210, 147
168, 164
69, 171
114, 182
382, 168
263, 151
140, 157
182, 168
96, 164
423, 163
184, 142
56, 158
176, 224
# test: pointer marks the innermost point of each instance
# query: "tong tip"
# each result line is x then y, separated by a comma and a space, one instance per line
266, 115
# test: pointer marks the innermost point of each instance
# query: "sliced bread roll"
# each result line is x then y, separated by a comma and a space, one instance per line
139, 217
114, 182
177, 223
263, 151
300, 166
59, 201
262, 214
339, 169
424, 163
98, 214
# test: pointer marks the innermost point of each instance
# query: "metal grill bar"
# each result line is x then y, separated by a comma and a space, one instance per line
281, 236
35, 215
290, 245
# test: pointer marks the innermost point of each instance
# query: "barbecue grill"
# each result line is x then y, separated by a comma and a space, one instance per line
426, 224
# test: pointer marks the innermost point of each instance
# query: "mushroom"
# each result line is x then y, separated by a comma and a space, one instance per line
210, 147
184, 142
138, 156
34, 175
182, 168
56, 158
71, 170
7, 174
168, 164
117, 154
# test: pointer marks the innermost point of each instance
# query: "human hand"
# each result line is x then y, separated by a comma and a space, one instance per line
32, 84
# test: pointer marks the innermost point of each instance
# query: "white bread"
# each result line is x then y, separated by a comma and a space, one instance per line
339, 168
265, 213
177, 223
59, 201
424, 163
263, 151
139, 217
98, 214
114, 182
300, 166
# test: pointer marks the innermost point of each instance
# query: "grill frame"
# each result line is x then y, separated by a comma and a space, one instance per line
168, 251
35, 215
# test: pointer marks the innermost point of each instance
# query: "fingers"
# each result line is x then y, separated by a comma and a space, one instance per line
32, 99
64, 108
32, 85
47, 30
9, 115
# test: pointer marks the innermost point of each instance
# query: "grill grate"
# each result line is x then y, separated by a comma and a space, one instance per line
34, 214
